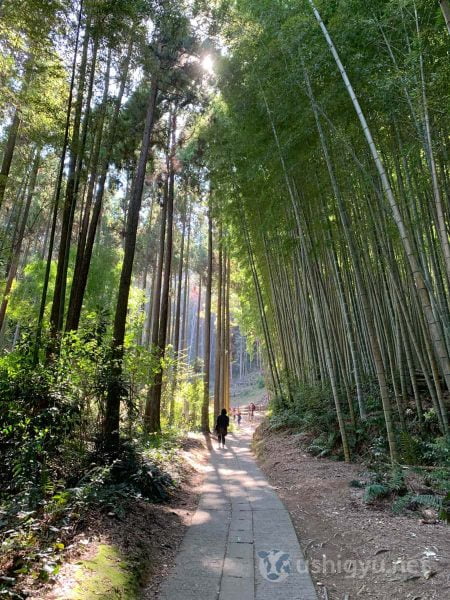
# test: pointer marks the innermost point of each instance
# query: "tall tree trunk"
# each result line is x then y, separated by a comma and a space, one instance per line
445, 6
185, 320
276, 382
219, 350
207, 331
153, 413
223, 348
227, 361
20, 236
442, 227
57, 312
8, 154
178, 297
79, 283
315, 296
156, 301
197, 324
115, 392
417, 272
57, 194
153, 291
74, 308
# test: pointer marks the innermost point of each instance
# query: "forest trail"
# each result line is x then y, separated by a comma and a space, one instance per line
238, 517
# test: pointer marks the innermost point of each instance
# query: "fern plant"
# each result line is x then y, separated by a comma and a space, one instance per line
376, 491
411, 501
444, 513
410, 451
397, 481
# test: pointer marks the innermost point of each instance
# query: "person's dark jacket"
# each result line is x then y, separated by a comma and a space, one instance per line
222, 424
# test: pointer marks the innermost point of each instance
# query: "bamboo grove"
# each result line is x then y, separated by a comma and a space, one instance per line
328, 152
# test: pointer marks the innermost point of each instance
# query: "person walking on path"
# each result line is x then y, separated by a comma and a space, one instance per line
222, 424
239, 416
251, 410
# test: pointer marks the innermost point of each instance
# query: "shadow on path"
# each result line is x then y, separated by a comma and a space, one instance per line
241, 544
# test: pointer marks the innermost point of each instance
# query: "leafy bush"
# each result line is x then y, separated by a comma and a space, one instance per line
410, 449
311, 409
35, 417
437, 451
285, 419
412, 501
444, 513
376, 491
385, 484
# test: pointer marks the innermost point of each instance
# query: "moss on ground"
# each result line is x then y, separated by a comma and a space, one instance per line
107, 576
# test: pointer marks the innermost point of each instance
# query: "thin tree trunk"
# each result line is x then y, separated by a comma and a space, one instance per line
197, 323
276, 382
445, 6
153, 411
185, 321
20, 236
57, 312
8, 154
178, 297
422, 290
74, 308
79, 283
223, 349
57, 194
227, 384
442, 228
207, 331
114, 393
218, 361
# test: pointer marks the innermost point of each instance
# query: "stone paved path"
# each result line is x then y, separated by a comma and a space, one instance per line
239, 516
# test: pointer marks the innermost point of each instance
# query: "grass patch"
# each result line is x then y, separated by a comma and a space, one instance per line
107, 576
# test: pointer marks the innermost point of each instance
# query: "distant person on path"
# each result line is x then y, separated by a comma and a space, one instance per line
239, 416
233, 412
222, 424
251, 410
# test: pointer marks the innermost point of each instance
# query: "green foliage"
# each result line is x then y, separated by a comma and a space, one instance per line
376, 491
437, 451
281, 419
444, 513
107, 575
356, 483
53, 470
36, 415
396, 481
412, 501
130, 474
324, 444
391, 486
23, 306
309, 410
187, 402
410, 449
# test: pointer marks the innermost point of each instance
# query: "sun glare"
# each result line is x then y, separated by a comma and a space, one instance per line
208, 64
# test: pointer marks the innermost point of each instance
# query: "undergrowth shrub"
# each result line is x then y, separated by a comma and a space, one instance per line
413, 501
51, 424
310, 408
35, 419
54, 468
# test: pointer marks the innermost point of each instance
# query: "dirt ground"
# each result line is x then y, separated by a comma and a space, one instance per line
148, 535
353, 550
